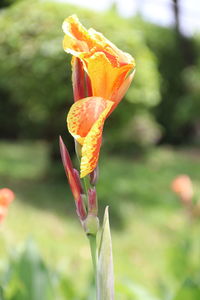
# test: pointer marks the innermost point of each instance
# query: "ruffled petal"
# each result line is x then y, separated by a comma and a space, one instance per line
77, 38
106, 65
109, 47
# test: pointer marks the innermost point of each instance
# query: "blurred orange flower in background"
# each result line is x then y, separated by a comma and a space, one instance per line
182, 186
101, 76
6, 197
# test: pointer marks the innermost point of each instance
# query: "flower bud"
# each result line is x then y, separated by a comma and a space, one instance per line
78, 180
74, 181
92, 202
94, 175
80, 208
91, 225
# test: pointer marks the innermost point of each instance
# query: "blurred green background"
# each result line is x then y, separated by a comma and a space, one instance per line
152, 137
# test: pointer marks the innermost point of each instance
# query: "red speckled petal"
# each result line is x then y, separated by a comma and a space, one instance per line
82, 116
92, 143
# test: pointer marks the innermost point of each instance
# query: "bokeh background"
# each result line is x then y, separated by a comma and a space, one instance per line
152, 137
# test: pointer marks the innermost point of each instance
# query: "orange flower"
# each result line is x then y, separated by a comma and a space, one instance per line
182, 186
6, 197
101, 73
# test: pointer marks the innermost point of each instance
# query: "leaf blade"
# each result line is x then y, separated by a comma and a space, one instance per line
105, 270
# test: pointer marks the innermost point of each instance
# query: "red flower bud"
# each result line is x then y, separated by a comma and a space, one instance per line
78, 180
94, 176
92, 202
74, 180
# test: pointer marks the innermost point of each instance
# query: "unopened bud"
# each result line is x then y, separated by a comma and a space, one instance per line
94, 175
92, 202
80, 208
74, 181
78, 180
91, 225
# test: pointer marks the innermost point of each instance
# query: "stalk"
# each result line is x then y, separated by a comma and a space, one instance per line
93, 249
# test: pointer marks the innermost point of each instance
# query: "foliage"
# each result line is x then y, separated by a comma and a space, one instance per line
29, 278
178, 64
159, 246
35, 87
35, 77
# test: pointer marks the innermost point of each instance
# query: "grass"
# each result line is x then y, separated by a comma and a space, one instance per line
147, 220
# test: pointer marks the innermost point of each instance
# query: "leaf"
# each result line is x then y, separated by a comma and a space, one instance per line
133, 291
1, 293
105, 274
29, 277
190, 290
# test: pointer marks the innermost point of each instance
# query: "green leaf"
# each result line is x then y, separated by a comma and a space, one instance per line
190, 290
30, 279
105, 274
130, 290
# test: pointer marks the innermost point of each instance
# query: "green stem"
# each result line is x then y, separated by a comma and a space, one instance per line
86, 184
92, 240
93, 249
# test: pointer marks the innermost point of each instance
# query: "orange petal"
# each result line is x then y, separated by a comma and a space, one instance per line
83, 114
77, 38
119, 94
122, 57
105, 78
92, 143
106, 65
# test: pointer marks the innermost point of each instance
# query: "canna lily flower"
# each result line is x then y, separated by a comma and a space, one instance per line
6, 197
101, 75
183, 187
